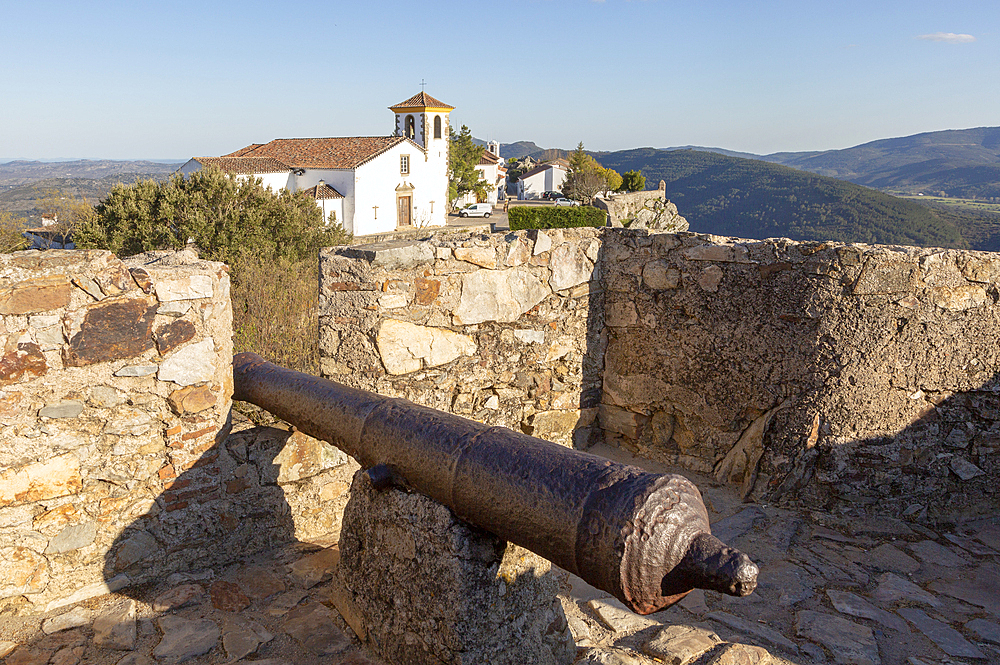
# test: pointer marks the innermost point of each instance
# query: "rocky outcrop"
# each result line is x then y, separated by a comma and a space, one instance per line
643, 210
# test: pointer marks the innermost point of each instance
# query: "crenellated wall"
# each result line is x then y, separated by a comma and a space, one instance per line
855, 378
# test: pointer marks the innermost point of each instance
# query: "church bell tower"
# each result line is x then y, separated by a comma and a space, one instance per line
424, 120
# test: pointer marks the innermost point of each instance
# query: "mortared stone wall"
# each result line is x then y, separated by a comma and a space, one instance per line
119, 459
503, 328
849, 377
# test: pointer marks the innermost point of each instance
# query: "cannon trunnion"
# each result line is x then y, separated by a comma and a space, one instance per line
641, 536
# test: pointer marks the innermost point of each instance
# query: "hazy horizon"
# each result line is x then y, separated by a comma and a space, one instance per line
181, 160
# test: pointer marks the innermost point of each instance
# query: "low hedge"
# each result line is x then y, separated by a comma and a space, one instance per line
554, 217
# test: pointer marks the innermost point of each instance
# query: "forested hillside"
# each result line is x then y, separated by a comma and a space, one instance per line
961, 163
754, 199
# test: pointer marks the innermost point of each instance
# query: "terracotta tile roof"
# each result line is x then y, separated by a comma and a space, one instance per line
244, 165
323, 191
243, 151
347, 152
488, 158
421, 100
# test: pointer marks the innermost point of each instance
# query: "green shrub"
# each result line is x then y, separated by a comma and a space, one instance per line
270, 240
227, 217
554, 217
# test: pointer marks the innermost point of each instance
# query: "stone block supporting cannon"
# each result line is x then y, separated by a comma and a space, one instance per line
640, 536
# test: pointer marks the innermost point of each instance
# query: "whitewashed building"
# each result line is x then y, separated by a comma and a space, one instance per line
492, 170
547, 177
371, 184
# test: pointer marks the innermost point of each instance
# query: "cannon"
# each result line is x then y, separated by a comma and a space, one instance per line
642, 537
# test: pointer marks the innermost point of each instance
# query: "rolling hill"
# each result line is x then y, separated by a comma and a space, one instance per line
756, 199
962, 163
957, 163
21, 186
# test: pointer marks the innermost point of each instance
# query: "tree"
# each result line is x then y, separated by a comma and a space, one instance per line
65, 213
226, 217
463, 157
11, 229
633, 181
614, 180
586, 178
270, 241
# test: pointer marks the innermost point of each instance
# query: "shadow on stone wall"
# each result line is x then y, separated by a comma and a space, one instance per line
593, 361
837, 376
941, 468
226, 505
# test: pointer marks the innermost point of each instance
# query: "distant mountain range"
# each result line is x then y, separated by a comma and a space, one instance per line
828, 195
958, 163
751, 198
23, 182
821, 195
21, 172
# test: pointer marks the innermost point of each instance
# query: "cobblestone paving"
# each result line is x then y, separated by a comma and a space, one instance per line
832, 590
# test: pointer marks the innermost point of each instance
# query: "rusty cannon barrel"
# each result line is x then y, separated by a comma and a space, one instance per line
641, 536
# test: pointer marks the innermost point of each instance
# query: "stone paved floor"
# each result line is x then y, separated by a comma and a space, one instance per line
831, 591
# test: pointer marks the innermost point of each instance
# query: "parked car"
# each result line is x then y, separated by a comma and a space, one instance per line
551, 195
476, 210
566, 202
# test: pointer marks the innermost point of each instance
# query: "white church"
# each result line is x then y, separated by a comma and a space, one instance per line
370, 184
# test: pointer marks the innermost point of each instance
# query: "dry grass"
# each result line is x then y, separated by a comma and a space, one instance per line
11, 227
275, 311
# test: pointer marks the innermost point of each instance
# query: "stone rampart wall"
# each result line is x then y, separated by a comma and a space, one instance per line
503, 328
115, 395
845, 376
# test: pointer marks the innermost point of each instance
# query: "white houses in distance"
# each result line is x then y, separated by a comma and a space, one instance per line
371, 184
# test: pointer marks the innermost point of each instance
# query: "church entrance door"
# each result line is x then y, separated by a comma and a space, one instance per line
403, 217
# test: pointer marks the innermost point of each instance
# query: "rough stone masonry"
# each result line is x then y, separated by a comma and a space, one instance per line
849, 377
114, 382
115, 395
506, 329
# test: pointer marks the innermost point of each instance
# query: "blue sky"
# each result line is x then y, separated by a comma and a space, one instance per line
173, 80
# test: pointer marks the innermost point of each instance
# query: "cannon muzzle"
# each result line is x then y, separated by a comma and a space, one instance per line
641, 536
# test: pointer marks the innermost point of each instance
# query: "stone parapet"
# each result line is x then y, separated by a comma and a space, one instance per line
851, 376
115, 389
425, 587
848, 376
503, 328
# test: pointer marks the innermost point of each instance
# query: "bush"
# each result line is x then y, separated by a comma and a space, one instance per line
554, 217
225, 216
270, 240
276, 311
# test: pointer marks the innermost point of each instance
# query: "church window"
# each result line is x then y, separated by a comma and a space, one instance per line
437, 126
411, 128
404, 164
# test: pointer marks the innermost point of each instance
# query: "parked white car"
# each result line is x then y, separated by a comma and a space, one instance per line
476, 210
566, 202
